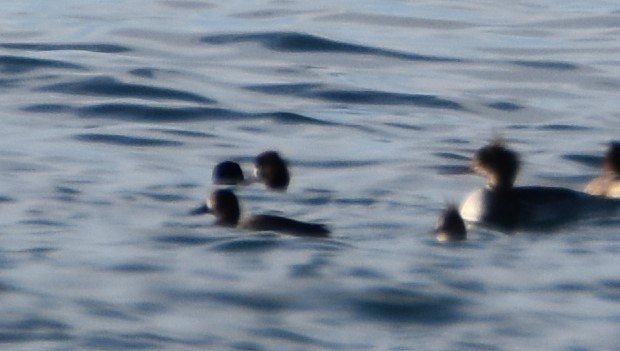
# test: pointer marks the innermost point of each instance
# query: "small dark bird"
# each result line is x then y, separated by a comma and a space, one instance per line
227, 173
450, 226
272, 170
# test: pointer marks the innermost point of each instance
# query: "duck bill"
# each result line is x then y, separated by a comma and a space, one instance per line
200, 210
442, 236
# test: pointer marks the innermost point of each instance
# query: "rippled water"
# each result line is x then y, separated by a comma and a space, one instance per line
114, 114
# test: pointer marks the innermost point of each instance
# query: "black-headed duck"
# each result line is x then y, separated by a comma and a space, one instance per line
501, 204
223, 203
272, 170
228, 173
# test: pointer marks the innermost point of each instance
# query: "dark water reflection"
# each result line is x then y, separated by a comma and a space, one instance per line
302, 42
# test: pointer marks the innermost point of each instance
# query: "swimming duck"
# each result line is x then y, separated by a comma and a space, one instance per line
500, 204
450, 226
608, 184
227, 173
223, 203
272, 170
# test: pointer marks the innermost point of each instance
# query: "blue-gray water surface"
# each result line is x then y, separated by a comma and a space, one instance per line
114, 114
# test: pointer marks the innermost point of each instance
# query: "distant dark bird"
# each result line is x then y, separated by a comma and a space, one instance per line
272, 170
227, 173
450, 226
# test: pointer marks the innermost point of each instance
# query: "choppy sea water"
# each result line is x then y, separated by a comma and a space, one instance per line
114, 114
